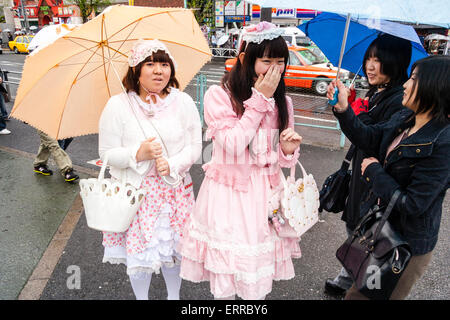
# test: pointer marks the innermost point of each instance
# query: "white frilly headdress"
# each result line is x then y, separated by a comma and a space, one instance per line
145, 48
262, 31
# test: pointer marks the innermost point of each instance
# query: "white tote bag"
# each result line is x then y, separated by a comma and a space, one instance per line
300, 201
109, 205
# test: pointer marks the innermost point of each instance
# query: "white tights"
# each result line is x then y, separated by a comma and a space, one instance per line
141, 283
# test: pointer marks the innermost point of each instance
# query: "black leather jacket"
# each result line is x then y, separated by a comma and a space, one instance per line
419, 166
381, 109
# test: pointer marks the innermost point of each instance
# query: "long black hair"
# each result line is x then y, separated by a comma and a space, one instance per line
395, 56
432, 80
240, 80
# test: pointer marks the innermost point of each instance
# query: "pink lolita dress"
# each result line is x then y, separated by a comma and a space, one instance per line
152, 237
228, 240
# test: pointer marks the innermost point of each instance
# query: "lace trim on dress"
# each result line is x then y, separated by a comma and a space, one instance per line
254, 102
242, 276
238, 183
214, 126
237, 249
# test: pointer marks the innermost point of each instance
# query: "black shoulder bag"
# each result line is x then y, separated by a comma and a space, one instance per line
375, 255
334, 192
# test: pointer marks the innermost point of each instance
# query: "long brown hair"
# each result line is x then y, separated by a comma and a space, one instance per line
240, 80
131, 79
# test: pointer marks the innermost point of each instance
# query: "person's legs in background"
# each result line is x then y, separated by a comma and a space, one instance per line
64, 143
342, 282
40, 161
3, 129
3, 111
51, 147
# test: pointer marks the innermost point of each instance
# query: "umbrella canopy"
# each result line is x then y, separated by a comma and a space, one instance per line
434, 12
6, 30
48, 35
65, 86
326, 31
33, 28
223, 39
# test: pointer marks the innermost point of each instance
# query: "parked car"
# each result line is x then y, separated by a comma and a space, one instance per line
20, 44
306, 64
295, 37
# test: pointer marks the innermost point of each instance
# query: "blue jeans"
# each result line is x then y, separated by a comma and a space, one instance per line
3, 107
2, 124
64, 143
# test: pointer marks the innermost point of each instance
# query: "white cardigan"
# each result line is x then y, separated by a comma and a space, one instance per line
120, 135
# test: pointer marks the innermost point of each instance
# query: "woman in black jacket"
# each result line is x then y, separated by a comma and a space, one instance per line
385, 64
409, 152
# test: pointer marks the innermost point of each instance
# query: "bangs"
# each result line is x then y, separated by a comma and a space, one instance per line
159, 56
275, 48
372, 52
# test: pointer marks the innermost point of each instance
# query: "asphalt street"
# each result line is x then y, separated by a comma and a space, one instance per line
63, 245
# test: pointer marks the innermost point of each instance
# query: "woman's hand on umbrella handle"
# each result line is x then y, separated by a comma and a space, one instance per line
162, 166
149, 150
342, 103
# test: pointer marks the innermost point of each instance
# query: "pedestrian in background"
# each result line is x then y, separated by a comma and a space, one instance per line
4, 113
229, 240
3, 93
385, 65
3, 130
132, 129
214, 40
410, 152
49, 147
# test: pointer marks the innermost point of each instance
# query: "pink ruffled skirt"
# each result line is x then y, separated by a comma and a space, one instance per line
229, 242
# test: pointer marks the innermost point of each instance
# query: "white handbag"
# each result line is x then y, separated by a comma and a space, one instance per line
109, 205
300, 201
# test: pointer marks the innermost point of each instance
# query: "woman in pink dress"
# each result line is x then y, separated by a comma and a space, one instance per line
228, 239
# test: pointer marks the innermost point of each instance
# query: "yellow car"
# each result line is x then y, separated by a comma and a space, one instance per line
20, 44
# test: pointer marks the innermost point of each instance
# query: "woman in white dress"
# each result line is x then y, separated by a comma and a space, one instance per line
152, 136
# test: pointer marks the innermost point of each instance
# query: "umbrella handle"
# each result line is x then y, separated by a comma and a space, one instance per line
335, 98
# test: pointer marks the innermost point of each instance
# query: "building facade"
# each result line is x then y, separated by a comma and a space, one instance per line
43, 12
160, 3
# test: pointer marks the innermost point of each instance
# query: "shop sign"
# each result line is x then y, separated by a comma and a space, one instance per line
230, 8
45, 9
219, 21
219, 8
229, 19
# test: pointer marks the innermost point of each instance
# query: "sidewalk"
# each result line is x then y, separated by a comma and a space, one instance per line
45, 242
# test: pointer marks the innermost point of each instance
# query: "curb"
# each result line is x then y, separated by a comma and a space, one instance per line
44, 269
42, 272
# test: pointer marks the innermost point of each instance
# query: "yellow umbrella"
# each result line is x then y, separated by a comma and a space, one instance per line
65, 86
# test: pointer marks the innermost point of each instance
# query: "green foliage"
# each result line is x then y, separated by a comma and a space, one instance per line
203, 12
87, 6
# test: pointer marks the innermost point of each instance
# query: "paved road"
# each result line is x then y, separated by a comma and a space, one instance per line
44, 238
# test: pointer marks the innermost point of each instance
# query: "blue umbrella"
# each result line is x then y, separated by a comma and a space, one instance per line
434, 12
327, 31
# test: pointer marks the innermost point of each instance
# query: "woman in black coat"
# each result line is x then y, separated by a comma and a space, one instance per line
385, 65
409, 152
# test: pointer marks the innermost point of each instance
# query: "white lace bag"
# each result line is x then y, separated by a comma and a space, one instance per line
300, 201
109, 205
